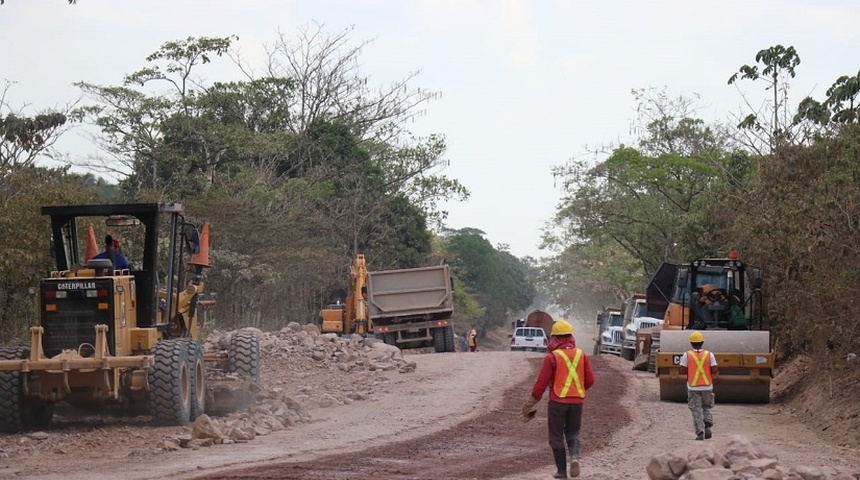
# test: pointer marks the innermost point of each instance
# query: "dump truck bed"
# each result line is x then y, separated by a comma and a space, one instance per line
409, 293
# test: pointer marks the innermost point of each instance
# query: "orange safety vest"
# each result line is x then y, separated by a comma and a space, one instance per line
569, 372
700, 376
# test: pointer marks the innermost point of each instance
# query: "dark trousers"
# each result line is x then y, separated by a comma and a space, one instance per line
564, 421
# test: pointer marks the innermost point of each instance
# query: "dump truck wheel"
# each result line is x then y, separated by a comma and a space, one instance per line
169, 380
439, 339
449, 339
244, 355
198, 378
11, 401
390, 338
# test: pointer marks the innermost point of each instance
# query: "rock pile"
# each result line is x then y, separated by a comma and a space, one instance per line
300, 370
739, 459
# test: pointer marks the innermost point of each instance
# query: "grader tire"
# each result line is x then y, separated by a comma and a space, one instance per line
169, 378
198, 378
244, 355
18, 414
11, 401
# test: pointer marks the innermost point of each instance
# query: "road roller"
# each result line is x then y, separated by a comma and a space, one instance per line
722, 298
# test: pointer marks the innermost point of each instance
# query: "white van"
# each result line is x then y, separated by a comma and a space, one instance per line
529, 339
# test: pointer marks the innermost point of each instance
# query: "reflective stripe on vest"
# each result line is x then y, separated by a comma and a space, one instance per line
568, 372
701, 376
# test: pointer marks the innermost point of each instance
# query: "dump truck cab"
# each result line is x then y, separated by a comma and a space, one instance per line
636, 316
610, 321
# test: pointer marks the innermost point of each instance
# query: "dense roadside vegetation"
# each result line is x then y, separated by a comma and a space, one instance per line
297, 170
781, 187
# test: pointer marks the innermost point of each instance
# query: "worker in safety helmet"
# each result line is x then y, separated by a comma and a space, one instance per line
473, 340
567, 372
113, 252
700, 366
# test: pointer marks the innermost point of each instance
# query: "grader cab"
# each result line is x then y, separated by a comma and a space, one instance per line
128, 337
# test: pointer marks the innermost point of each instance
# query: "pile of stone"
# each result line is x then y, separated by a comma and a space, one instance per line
739, 459
301, 369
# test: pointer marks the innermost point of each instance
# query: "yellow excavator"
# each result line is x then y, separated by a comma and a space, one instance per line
350, 317
722, 298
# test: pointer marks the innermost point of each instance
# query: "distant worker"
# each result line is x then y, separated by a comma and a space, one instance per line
464, 346
473, 340
114, 254
567, 371
701, 372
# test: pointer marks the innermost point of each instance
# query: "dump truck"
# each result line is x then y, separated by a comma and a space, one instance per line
540, 319
126, 337
722, 298
609, 334
636, 316
412, 308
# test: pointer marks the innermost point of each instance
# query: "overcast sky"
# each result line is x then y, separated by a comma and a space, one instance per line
524, 86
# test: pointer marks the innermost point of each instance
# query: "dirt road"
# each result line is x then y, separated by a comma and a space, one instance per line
455, 416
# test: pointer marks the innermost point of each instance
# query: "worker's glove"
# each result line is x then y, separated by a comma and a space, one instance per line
529, 411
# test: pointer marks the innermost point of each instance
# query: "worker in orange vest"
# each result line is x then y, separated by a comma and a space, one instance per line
473, 340
701, 369
567, 372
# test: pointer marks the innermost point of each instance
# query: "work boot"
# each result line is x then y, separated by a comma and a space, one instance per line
573, 457
574, 468
700, 436
560, 462
708, 433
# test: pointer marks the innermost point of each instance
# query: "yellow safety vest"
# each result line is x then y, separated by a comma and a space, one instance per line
569, 372
700, 376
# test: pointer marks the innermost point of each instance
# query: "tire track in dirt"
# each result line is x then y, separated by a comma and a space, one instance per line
496, 444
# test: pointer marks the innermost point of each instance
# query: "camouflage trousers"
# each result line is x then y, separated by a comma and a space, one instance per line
700, 403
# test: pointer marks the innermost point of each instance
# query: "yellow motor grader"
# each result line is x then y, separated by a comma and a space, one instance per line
128, 337
722, 298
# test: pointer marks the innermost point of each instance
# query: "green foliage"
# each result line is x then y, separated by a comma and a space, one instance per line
502, 284
590, 274
24, 245
777, 65
297, 171
620, 218
800, 225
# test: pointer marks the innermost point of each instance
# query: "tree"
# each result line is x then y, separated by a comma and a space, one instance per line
294, 175
24, 139
24, 252
778, 64
502, 284
839, 108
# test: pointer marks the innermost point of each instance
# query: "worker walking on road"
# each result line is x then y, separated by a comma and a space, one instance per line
700, 366
473, 341
567, 371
